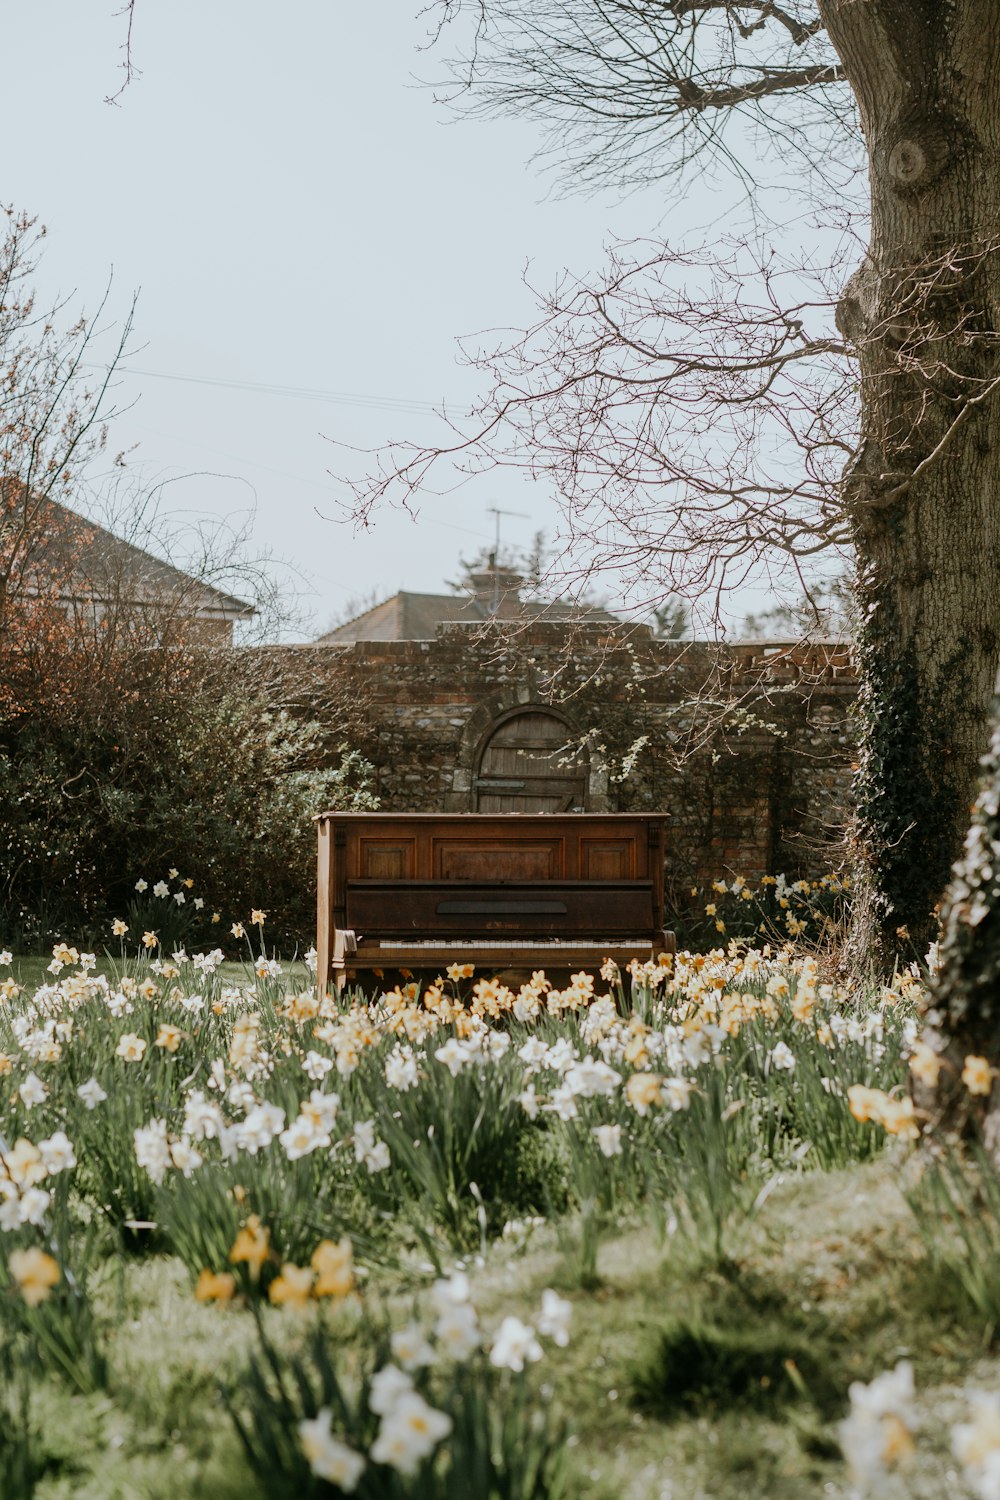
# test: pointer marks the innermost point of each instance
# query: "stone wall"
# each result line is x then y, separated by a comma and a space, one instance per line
747, 746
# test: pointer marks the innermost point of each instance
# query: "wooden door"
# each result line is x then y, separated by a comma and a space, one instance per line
528, 766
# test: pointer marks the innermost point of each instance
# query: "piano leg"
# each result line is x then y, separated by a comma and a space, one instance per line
344, 943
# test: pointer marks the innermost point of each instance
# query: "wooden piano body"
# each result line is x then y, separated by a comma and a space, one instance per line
499, 890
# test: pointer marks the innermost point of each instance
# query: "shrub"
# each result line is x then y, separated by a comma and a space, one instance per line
182, 760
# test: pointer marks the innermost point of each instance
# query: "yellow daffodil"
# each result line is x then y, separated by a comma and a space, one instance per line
977, 1075
925, 1065
251, 1246
150, 940
119, 928
804, 1003
643, 1090
215, 1286
169, 1037
896, 1116
898, 1119
864, 1102
258, 917
35, 1272
293, 1287
334, 1267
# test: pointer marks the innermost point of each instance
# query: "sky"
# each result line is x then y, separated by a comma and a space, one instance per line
296, 214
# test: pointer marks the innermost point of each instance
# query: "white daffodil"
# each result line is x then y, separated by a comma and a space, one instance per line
609, 1139
514, 1346
328, 1457
409, 1433
553, 1320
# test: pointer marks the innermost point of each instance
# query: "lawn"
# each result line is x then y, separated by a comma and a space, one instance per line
856, 1283
640, 1237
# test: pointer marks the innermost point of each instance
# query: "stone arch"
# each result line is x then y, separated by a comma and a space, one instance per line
488, 717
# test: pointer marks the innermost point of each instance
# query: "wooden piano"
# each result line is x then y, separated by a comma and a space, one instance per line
500, 890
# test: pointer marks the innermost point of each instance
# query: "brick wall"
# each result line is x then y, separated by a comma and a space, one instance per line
747, 746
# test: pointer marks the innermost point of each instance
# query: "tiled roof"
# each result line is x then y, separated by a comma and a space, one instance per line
416, 617
92, 558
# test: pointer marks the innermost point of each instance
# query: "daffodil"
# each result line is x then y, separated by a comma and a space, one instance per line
334, 1267
328, 1457
293, 1287
130, 1047
35, 1272
643, 1090
169, 1037
925, 1064
251, 1246
977, 1075
215, 1286
409, 1433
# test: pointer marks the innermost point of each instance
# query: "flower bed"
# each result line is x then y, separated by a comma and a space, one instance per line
330, 1175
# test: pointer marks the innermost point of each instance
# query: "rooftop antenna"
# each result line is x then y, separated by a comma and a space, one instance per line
496, 511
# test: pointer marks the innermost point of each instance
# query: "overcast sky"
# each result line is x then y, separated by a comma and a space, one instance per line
296, 212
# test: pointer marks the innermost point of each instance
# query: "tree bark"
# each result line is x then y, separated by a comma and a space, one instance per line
924, 491
964, 1016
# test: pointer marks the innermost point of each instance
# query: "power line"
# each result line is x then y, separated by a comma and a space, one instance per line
297, 392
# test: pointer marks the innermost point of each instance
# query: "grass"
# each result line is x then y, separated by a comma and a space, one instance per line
31, 971
831, 1275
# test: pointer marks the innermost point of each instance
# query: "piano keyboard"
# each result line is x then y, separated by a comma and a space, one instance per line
459, 944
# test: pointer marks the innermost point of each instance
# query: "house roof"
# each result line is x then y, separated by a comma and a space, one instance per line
416, 617
90, 557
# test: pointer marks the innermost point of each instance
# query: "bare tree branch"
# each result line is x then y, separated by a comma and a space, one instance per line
628, 91
128, 62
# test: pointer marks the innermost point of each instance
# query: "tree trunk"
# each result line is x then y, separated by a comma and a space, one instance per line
965, 1016
924, 492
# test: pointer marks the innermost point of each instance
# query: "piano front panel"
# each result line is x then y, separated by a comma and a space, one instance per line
385, 858
486, 858
609, 858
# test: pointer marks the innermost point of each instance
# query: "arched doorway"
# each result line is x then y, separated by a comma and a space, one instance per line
528, 765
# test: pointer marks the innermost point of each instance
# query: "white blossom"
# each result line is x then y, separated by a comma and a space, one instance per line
328, 1457
514, 1345
151, 1149
553, 1321
91, 1093
609, 1139
33, 1091
57, 1152
409, 1433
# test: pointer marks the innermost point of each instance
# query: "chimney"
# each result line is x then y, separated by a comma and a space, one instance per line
497, 590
